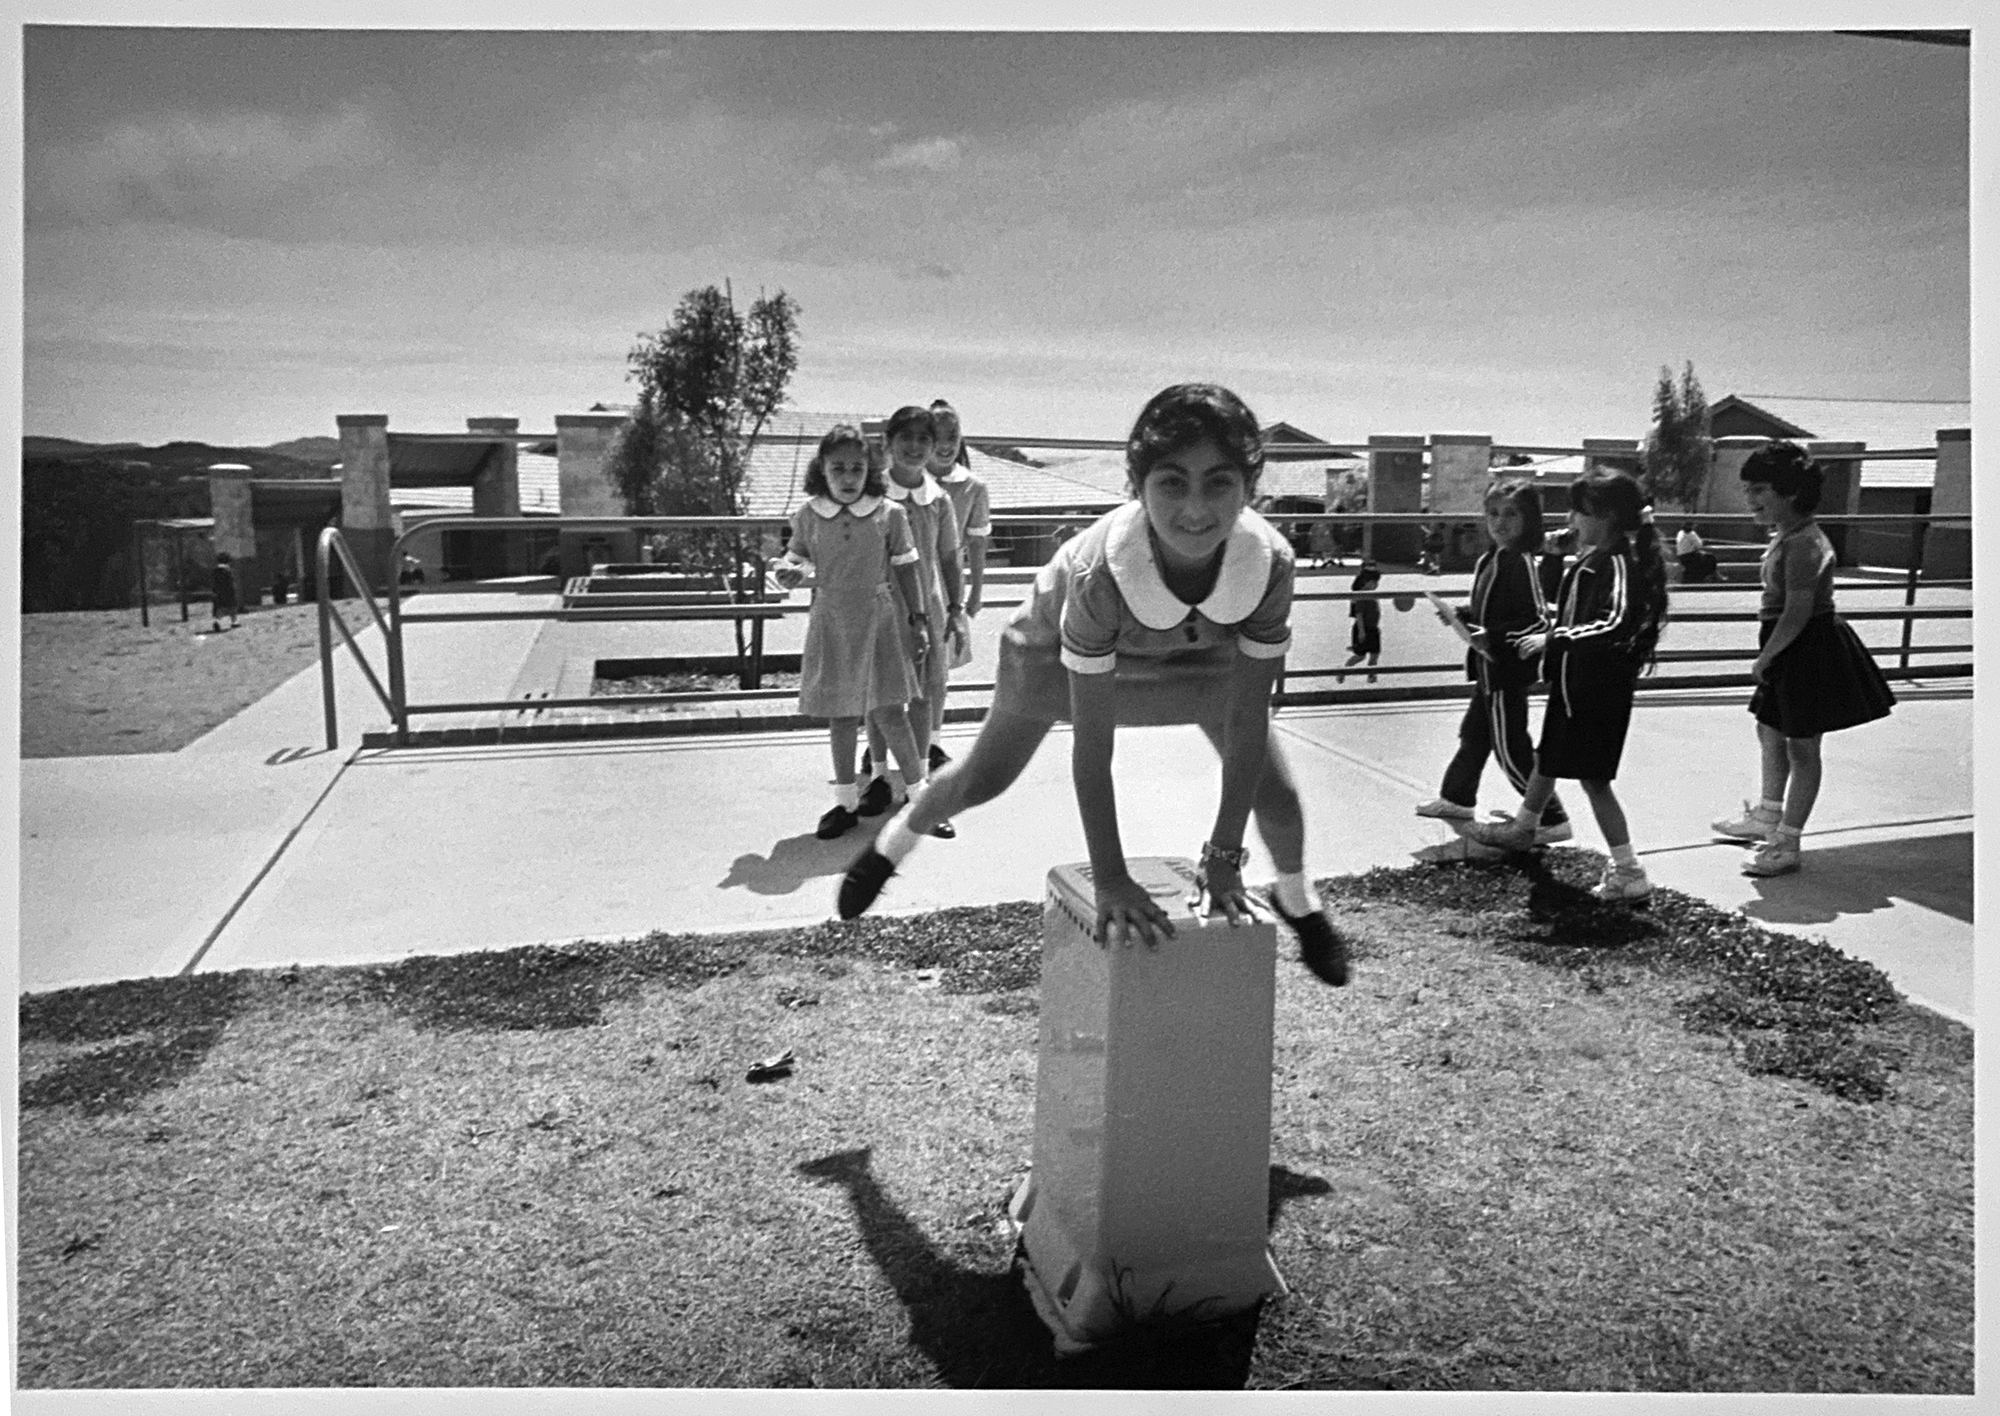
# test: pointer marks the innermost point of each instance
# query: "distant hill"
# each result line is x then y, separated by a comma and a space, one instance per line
303, 458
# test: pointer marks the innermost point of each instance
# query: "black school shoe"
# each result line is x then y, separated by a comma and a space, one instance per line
945, 831
938, 757
863, 882
1321, 948
875, 799
837, 822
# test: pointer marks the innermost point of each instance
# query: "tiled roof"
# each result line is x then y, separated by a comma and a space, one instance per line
1876, 423
1106, 472
541, 490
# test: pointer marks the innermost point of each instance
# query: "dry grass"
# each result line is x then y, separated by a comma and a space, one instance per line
1498, 1163
97, 683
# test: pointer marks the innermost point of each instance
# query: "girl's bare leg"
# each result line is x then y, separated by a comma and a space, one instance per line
893, 724
1610, 815
841, 734
1280, 818
998, 756
1776, 763
1803, 759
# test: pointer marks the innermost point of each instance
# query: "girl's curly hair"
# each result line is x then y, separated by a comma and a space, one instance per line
1181, 416
1786, 469
874, 485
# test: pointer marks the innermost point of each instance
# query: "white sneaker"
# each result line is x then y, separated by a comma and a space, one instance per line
1507, 835
1755, 824
1623, 883
1443, 810
1545, 835
1772, 857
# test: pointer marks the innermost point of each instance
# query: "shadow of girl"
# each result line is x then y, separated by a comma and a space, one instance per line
791, 863
979, 1329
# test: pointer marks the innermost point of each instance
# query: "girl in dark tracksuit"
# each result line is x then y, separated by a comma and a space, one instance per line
1508, 603
1610, 609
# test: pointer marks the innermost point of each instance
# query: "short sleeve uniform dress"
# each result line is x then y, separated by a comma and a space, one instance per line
1825, 679
934, 532
854, 660
970, 500
1100, 606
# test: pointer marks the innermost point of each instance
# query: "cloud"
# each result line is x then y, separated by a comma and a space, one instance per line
179, 166
932, 155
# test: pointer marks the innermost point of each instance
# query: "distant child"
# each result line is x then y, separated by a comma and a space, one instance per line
1174, 608
1813, 674
1507, 605
935, 601
1612, 605
1365, 636
855, 665
951, 465
222, 591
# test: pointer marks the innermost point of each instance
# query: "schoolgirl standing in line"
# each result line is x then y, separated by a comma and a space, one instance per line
1506, 605
951, 464
1813, 674
1611, 607
1174, 608
934, 533
855, 665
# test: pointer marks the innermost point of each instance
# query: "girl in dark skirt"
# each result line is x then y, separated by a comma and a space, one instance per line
1609, 612
1813, 674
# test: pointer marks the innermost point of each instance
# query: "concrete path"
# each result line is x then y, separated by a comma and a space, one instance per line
255, 846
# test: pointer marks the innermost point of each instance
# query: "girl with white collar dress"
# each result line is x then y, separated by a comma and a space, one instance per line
935, 605
855, 665
1174, 608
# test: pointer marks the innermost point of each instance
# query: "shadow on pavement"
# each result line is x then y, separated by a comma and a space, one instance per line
1932, 871
979, 1329
791, 863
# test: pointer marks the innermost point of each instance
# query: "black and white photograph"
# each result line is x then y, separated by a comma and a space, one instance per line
1041, 710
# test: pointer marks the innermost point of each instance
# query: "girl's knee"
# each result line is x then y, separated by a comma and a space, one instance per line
1802, 750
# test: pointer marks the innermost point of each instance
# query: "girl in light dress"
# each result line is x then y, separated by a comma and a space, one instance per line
1174, 608
1814, 676
856, 665
1610, 610
951, 465
935, 603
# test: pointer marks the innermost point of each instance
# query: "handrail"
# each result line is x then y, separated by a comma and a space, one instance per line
331, 544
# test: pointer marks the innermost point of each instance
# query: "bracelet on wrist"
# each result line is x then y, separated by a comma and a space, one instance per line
1212, 854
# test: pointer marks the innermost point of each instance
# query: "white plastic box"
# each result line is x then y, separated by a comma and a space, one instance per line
1151, 1175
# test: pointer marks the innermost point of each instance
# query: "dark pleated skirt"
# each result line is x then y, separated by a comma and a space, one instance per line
1824, 681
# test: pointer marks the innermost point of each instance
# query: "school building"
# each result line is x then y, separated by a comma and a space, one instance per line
388, 482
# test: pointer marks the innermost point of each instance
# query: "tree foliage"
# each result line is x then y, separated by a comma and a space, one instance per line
1679, 447
708, 384
76, 529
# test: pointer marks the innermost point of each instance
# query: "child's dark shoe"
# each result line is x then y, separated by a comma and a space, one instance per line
837, 822
1321, 948
863, 882
875, 800
938, 757
945, 831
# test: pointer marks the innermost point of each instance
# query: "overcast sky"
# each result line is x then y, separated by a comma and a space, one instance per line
235, 236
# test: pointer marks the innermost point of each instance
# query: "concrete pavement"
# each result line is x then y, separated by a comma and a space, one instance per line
257, 847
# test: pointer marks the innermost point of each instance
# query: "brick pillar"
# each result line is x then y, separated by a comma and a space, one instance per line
1723, 492
1840, 494
1395, 483
231, 503
497, 492
1948, 549
1461, 470
583, 447
365, 519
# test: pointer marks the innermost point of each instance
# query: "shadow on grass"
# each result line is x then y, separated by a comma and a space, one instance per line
980, 1329
161, 1028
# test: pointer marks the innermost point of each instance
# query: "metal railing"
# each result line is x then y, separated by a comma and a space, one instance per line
758, 611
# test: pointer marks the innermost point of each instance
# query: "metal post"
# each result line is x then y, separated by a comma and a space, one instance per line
325, 642
139, 557
180, 572
1910, 587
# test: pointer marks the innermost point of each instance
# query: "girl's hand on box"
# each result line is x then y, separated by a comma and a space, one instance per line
1222, 893
1125, 912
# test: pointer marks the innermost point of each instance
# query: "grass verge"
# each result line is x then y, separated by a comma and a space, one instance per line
1538, 1144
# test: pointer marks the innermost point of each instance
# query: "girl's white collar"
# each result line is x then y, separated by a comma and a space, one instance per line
863, 507
1240, 585
923, 494
957, 474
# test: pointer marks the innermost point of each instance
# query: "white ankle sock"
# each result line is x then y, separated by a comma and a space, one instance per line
1294, 893
1624, 855
897, 839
